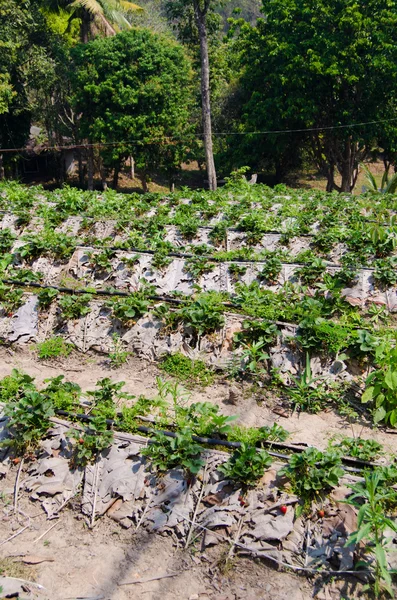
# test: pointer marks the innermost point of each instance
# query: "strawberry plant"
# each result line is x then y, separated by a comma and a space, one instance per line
381, 386
64, 395
271, 270
90, 442
10, 299
7, 239
312, 474
385, 271
28, 419
46, 296
131, 308
74, 306
203, 315
368, 450
247, 465
203, 418
312, 272
252, 436
47, 243
170, 452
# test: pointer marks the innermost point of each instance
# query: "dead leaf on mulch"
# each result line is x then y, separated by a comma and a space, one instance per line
34, 559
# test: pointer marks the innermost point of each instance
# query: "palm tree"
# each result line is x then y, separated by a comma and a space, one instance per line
94, 15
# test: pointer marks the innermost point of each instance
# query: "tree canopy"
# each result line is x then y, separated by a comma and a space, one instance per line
317, 65
133, 93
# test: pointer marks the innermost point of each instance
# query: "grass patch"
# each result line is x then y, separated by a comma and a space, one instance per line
193, 372
53, 348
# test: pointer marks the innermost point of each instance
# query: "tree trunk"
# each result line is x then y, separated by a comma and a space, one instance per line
85, 28
116, 175
144, 182
90, 168
132, 168
347, 168
201, 20
1, 167
80, 167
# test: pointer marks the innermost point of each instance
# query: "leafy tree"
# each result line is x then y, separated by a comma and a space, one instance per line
320, 65
27, 62
133, 92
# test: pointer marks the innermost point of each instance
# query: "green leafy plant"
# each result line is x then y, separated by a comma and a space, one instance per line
368, 450
102, 261
371, 499
271, 270
312, 272
381, 386
385, 271
64, 395
203, 418
312, 474
117, 355
46, 296
74, 306
90, 442
237, 270
28, 419
194, 372
252, 436
180, 451
246, 465
10, 299
131, 308
203, 315
53, 348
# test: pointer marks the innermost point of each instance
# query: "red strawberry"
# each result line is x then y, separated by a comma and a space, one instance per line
283, 509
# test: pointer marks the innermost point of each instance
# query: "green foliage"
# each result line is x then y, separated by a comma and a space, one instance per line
53, 348
131, 308
90, 442
47, 243
360, 448
180, 451
371, 499
105, 397
271, 269
117, 356
64, 395
381, 386
187, 370
13, 386
6, 240
10, 299
203, 419
313, 473
28, 419
134, 86
385, 271
74, 306
203, 315
247, 465
252, 436
46, 296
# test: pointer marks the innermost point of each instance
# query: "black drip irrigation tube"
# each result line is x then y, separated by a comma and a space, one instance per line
348, 464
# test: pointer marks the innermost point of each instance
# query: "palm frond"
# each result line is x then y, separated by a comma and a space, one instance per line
385, 179
392, 185
370, 178
92, 6
129, 6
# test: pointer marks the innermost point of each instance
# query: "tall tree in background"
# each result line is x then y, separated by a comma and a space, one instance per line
321, 65
177, 10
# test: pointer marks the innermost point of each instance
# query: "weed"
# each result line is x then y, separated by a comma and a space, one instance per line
117, 355
187, 370
53, 348
371, 499
252, 436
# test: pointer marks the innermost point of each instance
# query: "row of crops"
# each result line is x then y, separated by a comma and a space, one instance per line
255, 281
